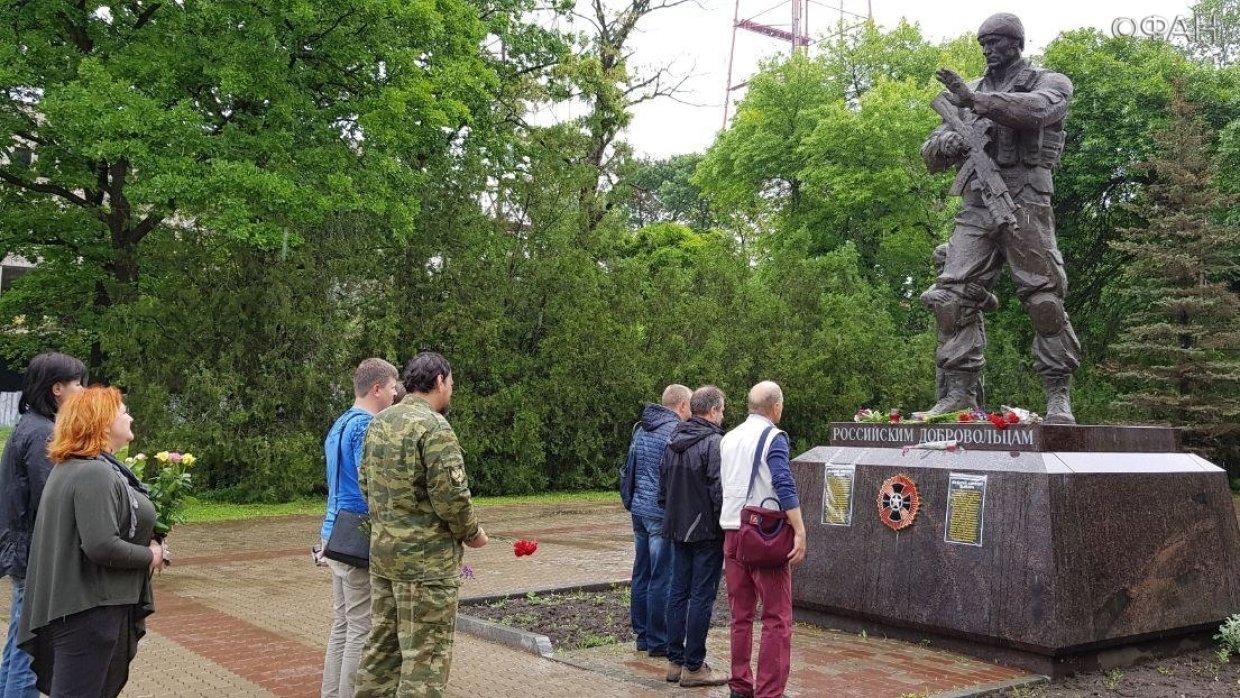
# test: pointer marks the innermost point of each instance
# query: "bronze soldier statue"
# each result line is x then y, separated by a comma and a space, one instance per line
1005, 133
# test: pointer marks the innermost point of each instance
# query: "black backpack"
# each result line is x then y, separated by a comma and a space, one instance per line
628, 472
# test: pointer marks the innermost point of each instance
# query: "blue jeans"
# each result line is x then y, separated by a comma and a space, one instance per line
649, 591
16, 677
696, 568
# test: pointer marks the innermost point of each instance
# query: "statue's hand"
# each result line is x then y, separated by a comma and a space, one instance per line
975, 292
936, 296
952, 145
960, 93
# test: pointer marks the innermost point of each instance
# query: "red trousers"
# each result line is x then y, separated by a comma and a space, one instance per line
773, 586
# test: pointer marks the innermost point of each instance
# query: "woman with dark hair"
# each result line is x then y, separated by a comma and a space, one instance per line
50, 379
92, 555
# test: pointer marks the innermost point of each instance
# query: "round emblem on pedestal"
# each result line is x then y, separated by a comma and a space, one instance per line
898, 501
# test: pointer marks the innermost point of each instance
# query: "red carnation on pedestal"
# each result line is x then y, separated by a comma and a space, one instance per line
1012, 418
999, 422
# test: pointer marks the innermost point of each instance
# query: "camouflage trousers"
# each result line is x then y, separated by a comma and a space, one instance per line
409, 651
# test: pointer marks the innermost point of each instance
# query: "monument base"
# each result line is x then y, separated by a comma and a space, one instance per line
1053, 560
1070, 661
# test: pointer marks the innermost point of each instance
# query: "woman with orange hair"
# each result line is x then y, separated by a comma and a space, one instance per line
88, 584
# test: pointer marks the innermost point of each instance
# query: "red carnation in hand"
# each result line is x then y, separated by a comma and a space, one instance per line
999, 422
1012, 418
524, 547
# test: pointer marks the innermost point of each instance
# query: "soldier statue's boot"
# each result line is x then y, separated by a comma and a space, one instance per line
961, 393
1058, 399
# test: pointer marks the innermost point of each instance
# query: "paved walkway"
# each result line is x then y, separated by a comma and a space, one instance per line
243, 613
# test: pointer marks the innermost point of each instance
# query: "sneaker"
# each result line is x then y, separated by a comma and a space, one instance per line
673, 672
704, 676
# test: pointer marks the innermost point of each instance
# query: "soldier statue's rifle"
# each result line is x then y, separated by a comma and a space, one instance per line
978, 168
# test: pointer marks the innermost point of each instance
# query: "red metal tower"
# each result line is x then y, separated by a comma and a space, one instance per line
797, 34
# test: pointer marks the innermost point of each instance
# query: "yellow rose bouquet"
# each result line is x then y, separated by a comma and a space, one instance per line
170, 483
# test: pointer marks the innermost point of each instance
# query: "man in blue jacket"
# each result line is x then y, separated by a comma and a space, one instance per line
651, 562
374, 386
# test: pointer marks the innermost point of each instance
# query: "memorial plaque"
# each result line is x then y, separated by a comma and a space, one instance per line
837, 494
966, 503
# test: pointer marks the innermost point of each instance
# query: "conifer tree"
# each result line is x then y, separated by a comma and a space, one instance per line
1178, 357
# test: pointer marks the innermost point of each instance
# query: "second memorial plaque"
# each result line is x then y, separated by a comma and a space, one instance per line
966, 504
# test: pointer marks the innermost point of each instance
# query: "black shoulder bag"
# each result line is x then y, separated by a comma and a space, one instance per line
350, 539
628, 472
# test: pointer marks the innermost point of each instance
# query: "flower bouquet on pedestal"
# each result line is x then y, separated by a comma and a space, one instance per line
1002, 419
170, 483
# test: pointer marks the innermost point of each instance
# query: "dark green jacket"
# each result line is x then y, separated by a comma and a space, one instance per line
90, 545
413, 476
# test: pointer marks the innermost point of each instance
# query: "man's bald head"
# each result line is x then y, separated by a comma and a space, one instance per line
676, 398
767, 399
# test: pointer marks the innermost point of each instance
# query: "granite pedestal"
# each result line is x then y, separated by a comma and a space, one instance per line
1065, 547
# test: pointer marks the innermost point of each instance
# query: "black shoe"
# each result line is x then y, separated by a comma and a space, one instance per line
738, 694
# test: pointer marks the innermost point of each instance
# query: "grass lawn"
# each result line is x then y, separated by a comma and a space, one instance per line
200, 511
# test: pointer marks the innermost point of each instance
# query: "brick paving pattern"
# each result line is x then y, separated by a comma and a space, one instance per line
825, 663
243, 613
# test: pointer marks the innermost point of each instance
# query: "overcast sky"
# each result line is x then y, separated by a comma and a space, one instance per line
694, 40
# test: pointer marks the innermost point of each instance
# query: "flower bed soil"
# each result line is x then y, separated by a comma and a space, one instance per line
1195, 675
575, 620
589, 619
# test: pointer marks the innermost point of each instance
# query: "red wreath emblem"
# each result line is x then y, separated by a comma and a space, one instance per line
898, 501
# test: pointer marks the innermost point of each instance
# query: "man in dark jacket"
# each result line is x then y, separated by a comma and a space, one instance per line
692, 495
651, 567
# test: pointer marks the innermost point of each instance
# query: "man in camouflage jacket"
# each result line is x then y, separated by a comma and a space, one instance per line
421, 514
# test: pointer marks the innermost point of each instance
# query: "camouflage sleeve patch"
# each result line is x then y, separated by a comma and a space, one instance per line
447, 484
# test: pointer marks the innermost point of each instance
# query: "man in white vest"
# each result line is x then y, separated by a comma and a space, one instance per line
773, 483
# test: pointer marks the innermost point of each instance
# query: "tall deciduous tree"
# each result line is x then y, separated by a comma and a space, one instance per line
828, 146
1179, 354
224, 118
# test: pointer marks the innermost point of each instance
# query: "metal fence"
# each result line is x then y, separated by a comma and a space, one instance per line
8, 408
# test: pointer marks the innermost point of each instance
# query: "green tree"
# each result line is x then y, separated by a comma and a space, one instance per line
828, 148
1179, 354
217, 118
1123, 87
663, 191
243, 355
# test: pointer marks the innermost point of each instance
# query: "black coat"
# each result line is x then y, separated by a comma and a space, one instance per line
689, 486
23, 472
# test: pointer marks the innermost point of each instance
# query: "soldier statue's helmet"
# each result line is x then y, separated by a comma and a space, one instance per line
1003, 24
